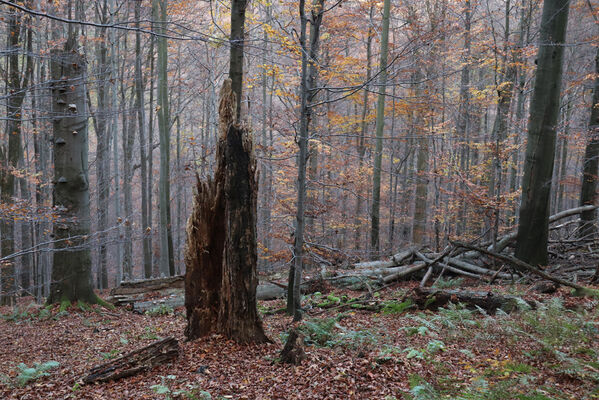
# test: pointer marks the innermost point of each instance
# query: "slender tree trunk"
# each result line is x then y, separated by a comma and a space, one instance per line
102, 147
308, 81
531, 244
10, 156
141, 120
380, 126
421, 194
588, 192
167, 267
361, 147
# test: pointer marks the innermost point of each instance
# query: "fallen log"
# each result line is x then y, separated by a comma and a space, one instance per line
137, 361
148, 285
396, 260
405, 272
526, 266
476, 269
445, 266
432, 299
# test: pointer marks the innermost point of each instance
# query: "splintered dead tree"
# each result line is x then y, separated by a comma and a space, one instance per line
71, 272
221, 251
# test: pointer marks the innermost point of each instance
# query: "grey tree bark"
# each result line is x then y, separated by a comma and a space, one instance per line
146, 210
531, 244
71, 273
17, 78
380, 125
588, 191
167, 265
308, 81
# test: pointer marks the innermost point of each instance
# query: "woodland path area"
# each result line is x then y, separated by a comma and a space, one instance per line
352, 353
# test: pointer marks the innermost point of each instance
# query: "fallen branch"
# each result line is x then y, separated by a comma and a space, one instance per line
526, 266
395, 260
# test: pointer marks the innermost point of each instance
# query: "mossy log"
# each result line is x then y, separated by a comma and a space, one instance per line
432, 299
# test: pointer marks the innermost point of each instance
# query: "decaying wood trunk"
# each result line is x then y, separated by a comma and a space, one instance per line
432, 299
221, 255
293, 351
135, 362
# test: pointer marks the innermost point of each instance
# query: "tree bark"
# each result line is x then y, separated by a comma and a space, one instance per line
380, 125
71, 273
360, 140
531, 245
588, 192
135, 362
146, 210
167, 267
308, 81
221, 257
10, 156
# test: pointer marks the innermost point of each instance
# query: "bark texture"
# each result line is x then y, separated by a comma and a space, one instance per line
531, 246
588, 192
221, 254
135, 362
71, 273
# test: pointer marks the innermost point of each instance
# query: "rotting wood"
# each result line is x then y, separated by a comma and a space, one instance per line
137, 361
432, 299
293, 351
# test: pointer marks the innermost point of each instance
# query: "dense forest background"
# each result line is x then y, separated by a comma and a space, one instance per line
458, 78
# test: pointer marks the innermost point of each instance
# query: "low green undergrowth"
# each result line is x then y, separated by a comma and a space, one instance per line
26, 375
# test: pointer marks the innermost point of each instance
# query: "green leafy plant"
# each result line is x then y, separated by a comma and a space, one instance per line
28, 374
395, 307
449, 283
164, 388
162, 309
110, 355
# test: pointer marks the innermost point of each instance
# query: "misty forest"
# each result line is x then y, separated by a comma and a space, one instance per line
291, 199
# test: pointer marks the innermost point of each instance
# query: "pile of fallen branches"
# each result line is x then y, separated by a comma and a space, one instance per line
486, 262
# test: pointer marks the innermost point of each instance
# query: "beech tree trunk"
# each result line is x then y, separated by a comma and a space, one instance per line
531, 245
588, 192
380, 125
71, 273
167, 262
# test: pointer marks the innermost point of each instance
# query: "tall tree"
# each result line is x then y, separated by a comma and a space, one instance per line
146, 210
101, 126
17, 78
380, 125
167, 261
71, 272
360, 139
307, 93
531, 244
588, 191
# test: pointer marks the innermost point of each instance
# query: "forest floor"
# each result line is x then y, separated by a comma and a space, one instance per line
397, 352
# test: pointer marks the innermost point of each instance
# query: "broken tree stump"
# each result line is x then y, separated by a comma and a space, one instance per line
135, 362
221, 252
432, 299
293, 351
